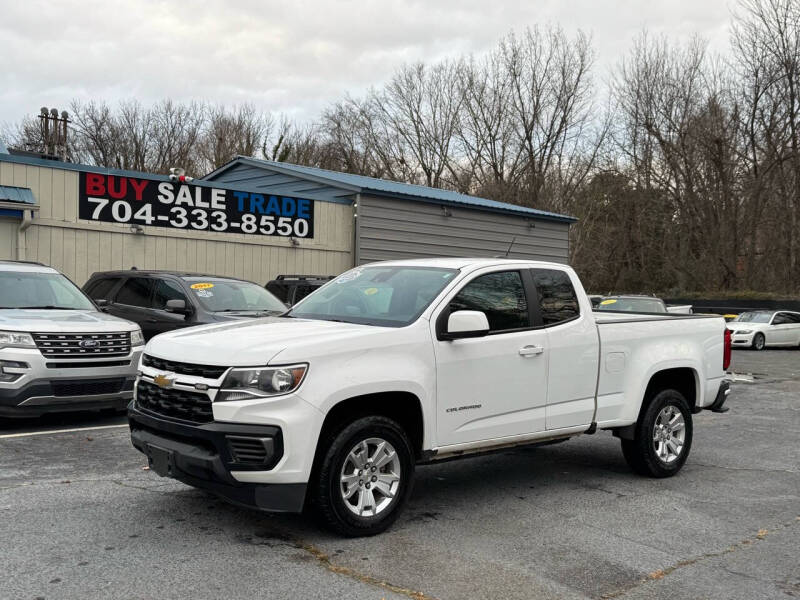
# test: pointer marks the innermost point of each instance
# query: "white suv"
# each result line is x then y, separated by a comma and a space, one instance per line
57, 351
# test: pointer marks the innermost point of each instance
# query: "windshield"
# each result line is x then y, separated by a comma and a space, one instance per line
388, 296
230, 295
754, 317
25, 289
634, 305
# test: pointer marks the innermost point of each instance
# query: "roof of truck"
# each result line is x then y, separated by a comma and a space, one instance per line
460, 263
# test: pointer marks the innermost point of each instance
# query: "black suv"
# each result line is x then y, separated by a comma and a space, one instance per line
161, 301
293, 288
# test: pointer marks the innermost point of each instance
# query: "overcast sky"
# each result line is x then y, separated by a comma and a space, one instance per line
292, 56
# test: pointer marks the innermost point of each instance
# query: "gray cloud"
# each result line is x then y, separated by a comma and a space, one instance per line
292, 57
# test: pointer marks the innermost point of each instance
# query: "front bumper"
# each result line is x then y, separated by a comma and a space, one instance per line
203, 456
741, 340
51, 385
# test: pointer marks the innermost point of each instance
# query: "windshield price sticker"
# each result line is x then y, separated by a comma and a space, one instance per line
130, 200
201, 286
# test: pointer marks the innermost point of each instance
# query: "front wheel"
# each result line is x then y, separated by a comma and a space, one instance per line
365, 477
663, 436
759, 342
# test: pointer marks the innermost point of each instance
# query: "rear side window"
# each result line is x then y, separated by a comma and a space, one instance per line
558, 301
101, 289
167, 290
501, 296
136, 292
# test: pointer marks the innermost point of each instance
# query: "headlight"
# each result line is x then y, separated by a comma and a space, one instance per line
243, 384
137, 339
16, 340
743, 331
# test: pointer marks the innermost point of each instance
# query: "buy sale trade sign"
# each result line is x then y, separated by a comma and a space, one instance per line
158, 203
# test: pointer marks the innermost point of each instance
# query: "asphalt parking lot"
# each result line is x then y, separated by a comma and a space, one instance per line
81, 518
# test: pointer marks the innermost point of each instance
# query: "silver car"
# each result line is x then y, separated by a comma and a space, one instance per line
57, 351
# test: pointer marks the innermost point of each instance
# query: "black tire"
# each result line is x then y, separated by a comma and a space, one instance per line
640, 452
759, 342
326, 492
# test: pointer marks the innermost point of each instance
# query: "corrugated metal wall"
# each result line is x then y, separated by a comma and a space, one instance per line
79, 248
390, 229
8, 238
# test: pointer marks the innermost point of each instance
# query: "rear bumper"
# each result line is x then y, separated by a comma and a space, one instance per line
201, 456
722, 396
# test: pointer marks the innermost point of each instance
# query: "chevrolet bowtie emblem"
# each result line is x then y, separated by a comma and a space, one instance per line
163, 381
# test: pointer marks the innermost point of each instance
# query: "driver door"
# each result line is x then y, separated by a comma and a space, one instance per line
493, 386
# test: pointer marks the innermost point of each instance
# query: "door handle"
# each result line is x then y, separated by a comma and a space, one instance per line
531, 350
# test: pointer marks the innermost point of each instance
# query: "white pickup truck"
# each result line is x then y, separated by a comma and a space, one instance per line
399, 363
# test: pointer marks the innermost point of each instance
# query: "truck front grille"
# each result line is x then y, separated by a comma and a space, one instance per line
207, 371
87, 387
83, 345
174, 403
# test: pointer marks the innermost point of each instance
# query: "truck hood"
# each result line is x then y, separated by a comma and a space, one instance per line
249, 343
62, 321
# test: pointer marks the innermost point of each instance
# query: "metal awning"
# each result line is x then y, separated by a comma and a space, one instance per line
10, 193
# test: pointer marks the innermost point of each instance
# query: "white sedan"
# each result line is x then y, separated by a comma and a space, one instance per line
761, 328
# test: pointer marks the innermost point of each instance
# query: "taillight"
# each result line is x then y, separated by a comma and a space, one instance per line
726, 354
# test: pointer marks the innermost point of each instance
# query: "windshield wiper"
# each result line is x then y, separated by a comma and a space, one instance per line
43, 307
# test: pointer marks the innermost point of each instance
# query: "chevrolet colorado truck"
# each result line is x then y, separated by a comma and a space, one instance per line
58, 352
393, 364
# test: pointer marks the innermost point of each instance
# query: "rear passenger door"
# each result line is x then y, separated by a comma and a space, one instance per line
573, 347
133, 301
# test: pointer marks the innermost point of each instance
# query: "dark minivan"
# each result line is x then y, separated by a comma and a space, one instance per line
161, 301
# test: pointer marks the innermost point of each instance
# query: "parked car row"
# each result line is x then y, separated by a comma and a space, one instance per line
66, 349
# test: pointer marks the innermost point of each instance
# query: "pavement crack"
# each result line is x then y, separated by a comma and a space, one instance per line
325, 561
666, 571
727, 468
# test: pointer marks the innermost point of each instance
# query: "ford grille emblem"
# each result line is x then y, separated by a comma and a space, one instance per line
89, 344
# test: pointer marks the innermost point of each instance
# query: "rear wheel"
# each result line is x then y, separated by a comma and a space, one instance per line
759, 342
365, 477
663, 436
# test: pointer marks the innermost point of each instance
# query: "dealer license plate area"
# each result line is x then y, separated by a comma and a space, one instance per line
161, 460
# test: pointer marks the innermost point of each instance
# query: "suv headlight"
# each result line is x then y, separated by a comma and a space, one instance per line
14, 339
137, 339
262, 382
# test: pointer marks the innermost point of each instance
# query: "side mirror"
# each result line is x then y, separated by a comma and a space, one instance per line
177, 306
466, 324
101, 302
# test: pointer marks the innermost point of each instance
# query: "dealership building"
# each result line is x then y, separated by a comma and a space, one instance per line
253, 219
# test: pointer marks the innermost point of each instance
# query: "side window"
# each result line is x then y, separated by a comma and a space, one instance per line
136, 292
101, 289
557, 299
794, 318
780, 319
500, 295
167, 290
